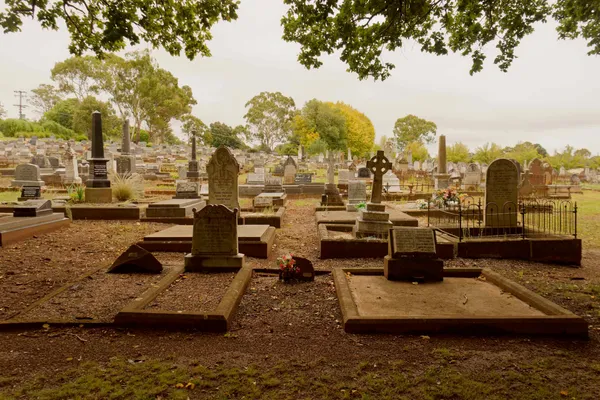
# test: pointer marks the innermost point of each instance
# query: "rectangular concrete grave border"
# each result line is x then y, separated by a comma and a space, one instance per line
44, 224
330, 247
274, 220
10, 323
256, 249
218, 321
558, 321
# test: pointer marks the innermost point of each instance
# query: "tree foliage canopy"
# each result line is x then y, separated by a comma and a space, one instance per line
488, 153
224, 135
360, 131
135, 85
109, 25
413, 129
323, 124
269, 117
44, 97
362, 30
458, 152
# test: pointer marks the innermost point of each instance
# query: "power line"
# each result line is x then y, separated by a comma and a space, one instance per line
22, 94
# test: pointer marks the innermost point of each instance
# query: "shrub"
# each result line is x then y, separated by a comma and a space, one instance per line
127, 187
11, 127
58, 130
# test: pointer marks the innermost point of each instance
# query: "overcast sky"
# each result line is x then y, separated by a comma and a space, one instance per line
551, 94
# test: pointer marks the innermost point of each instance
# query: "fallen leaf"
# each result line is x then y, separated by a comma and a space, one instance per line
564, 393
70, 359
180, 386
425, 337
190, 385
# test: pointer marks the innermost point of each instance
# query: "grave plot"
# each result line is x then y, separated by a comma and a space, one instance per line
205, 302
413, 293
469, 301
30, 218
253, 240
94, 299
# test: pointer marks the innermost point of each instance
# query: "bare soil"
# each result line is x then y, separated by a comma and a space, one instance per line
291, 326
193, 292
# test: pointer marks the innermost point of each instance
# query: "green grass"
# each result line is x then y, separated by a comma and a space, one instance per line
588, 218
9, 196
442, 378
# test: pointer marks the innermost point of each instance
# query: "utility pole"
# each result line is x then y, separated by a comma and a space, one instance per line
21, 94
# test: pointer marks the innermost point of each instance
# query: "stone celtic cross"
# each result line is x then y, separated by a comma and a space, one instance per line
378, 166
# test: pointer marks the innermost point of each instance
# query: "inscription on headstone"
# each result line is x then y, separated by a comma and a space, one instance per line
411, 242
501, 192
215, 231
223, 171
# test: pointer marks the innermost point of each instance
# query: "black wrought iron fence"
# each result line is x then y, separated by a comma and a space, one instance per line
470, 219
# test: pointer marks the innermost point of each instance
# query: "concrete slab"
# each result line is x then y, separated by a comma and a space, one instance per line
15, 229
253, 240
175, 203
469, 301
397, 217
464, 297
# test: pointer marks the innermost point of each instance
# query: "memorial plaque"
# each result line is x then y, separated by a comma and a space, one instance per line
30, 192
303, 178
255, 179
412, 242
215, 231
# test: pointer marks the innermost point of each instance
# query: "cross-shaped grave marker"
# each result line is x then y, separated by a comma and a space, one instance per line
378, 166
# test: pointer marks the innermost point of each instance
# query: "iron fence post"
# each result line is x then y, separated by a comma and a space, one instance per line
427, 212
575, 215
523, 220
460, 232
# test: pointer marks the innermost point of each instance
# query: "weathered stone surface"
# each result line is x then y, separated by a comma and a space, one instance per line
33, 208
136, 260
215, 231
306, 271
418, 242
223, 170
501, 192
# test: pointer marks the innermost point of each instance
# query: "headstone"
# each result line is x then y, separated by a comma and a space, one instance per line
30, 192
343, 176
125, 162
261, 202
223, 171
27, 175
374, 220
214, 239
536, 169
391, 183
378, 166
302, 178
364, 172
136, 260
472, 178
357, 193
412, 256
501, 194
306, 271
71, 170
255, 179
98, 172
33, 208
289, 171
187, 190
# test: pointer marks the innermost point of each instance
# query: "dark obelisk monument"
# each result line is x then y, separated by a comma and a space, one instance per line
98, 186
193, 173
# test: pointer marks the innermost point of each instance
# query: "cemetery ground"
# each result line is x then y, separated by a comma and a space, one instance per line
286, 341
